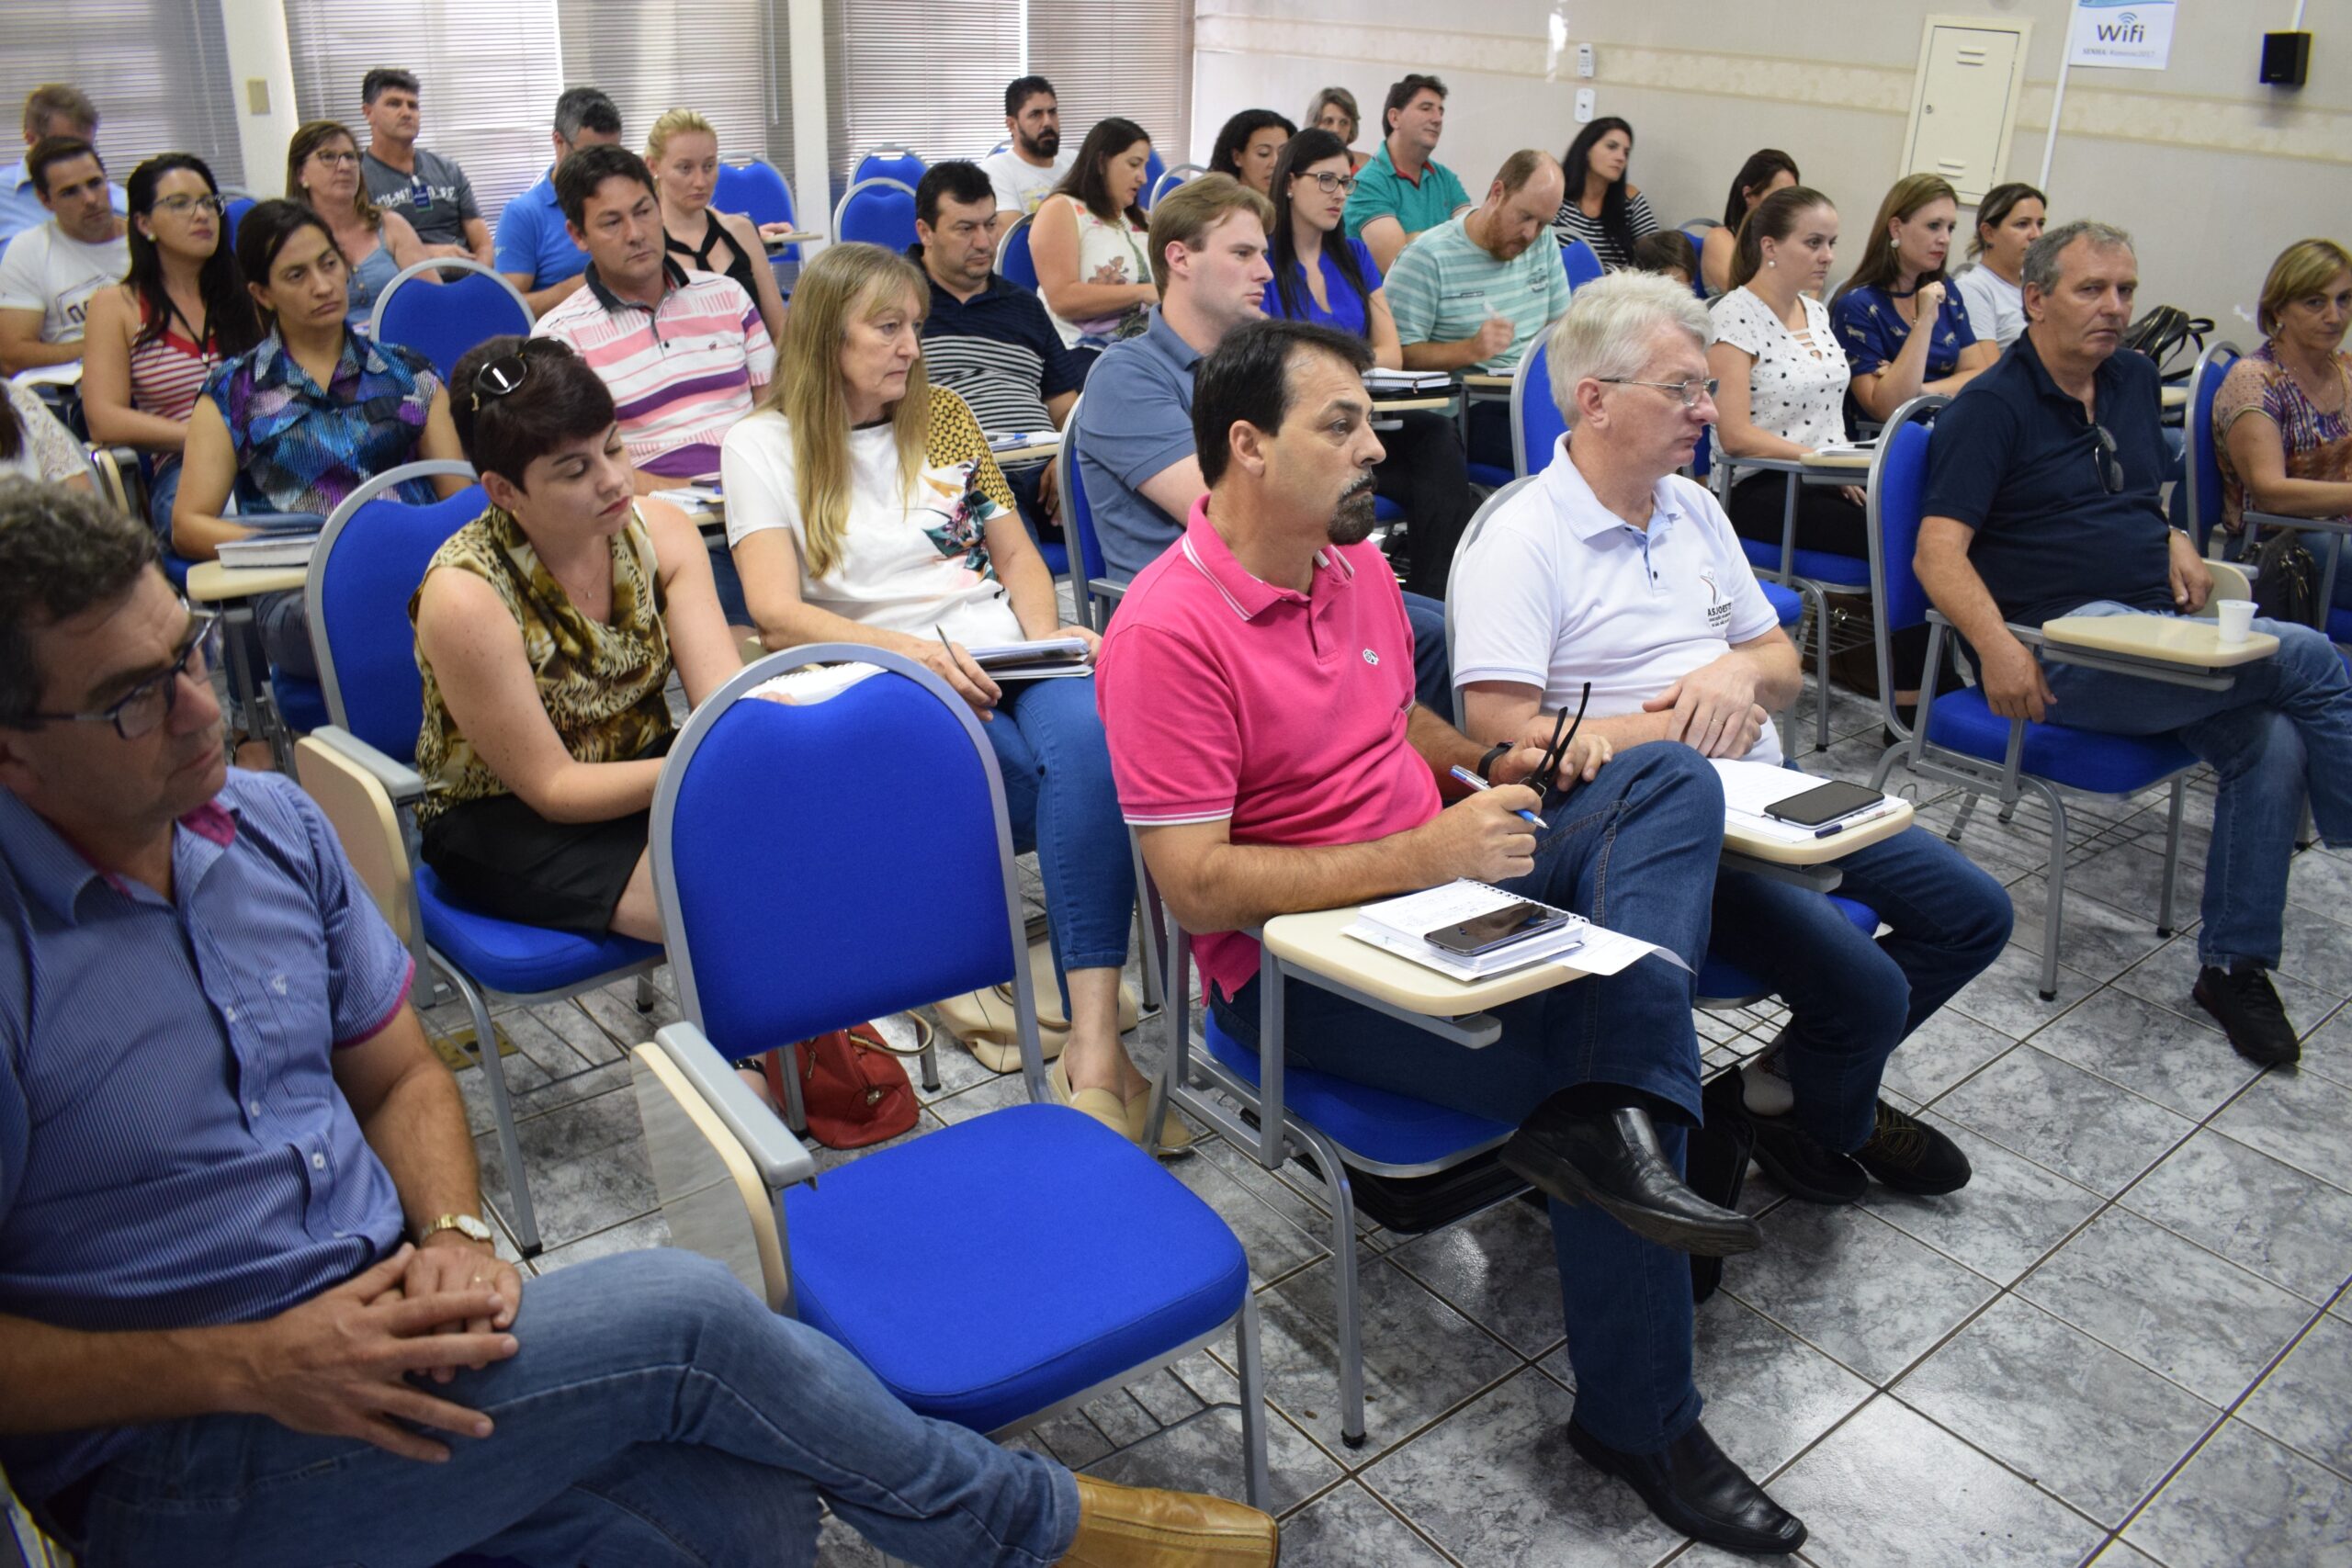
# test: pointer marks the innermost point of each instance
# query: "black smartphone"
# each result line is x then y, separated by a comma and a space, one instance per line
1483, 933
1818, 808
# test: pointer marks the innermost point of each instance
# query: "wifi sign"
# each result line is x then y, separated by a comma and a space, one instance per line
2125, 28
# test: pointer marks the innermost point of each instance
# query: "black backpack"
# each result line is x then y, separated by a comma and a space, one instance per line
2162, 333
2286, 580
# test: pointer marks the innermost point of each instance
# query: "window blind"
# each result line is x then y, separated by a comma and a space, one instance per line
158, 70
1130, 58
914, 72
727, 60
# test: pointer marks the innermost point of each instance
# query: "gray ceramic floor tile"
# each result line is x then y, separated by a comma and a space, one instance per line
2150, 1050
587, 1167
2168, 976
634, 1236
1890, 1488
2208, 1325
2306, 1402
2100, 1430
838, 1546
2327, 1052
2123, 1554
1767, 1393
1276, 1246
2129, 877
1346, 1527
1204, 1454
2290, 1228
1854, 1286
2009, 1214
1942, 1051
2097, 938
2007, 995
2246, 1500
2321, 880
1498, 1267
2303, 1119
1532, 1502
2318, 949
1421, 1356
2059, 1116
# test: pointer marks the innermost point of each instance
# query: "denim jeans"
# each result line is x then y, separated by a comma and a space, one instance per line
1057, 790
657, 1413
1432, 671
1634, 851
1852, 1000
2282, 729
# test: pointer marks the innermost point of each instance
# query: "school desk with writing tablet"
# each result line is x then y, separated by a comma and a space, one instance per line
2161, 643
1318, 944
209, 582
1740, 841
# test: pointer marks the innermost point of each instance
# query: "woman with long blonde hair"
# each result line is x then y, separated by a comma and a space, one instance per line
682, 149
1901, 286
863, 506
322, 174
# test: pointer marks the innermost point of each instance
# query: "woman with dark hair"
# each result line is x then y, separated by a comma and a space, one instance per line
2008, 220
1088, 242
1600, 207
1899, 287
150, 343
1767, 170
546, 630
1324, 275
322, 174
1247, 146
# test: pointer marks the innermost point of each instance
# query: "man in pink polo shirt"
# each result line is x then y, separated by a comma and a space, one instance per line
1257, 690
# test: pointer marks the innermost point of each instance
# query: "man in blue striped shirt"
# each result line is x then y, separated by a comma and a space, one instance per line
219, 1122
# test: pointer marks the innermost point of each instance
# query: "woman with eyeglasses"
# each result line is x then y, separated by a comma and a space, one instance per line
150, 343
322, 174
1324, 275
546, 630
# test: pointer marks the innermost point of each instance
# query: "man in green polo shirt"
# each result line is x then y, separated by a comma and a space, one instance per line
1403, 190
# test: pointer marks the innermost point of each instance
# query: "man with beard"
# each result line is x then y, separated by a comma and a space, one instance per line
1033, 163
1256, 691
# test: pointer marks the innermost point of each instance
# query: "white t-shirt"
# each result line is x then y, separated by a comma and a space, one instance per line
1797, 388
1557, 589
893, 572
1021, 185
1996, 306
46, 270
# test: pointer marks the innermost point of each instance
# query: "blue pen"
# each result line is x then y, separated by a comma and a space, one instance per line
1475, 782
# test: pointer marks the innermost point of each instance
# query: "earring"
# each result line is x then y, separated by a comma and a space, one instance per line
1769, 262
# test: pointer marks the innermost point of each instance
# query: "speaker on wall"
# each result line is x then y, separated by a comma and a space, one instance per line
2286, 58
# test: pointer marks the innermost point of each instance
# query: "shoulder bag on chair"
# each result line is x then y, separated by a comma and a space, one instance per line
852, 1088
2286, 580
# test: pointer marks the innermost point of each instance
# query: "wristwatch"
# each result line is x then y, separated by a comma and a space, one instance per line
465, 1225
1495, 753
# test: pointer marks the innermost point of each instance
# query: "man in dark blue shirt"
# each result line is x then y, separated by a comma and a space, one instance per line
2041, 502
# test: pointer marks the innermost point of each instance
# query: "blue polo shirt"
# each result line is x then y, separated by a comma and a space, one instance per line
2016, 459
174, 1151
1135, 420
532, 238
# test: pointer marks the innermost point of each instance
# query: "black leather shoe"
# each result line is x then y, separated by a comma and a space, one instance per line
2246, 1006
1694, 1487
1612, 1158
1907, 1154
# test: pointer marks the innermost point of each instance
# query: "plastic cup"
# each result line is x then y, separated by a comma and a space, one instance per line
2236, 619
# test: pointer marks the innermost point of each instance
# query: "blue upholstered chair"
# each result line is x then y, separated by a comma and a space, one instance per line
441, 321
1582, 261
878, 211
1012, 258
761, 193
891, 161
1098, 594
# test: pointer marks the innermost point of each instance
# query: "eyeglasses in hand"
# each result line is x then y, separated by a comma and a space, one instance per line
142, 709
1686, 392
2110, 466
1545, 777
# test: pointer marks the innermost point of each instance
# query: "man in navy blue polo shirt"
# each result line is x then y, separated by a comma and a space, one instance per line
2041, 502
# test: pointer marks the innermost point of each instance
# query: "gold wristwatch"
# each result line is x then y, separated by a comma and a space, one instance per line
465, 1225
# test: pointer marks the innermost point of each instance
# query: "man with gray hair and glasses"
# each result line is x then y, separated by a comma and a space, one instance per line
535, 250
2041, 502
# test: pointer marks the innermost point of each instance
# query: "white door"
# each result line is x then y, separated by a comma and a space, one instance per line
1965, 104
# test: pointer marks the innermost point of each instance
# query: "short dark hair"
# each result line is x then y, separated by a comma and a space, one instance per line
61, 553
1021, 89
51, 150
580, 175
1403, 93
1247, 379
372, 86
585, 108
561, 398
956, 180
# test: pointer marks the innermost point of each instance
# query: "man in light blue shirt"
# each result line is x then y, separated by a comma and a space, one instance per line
50, 110
535, 250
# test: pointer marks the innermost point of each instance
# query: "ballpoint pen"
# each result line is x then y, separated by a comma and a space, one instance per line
1475, 782
1868, 814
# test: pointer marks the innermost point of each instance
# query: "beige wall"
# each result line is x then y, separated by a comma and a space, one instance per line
2212, 171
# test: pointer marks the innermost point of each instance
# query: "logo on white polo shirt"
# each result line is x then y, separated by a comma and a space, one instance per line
1370, 657
1718, 609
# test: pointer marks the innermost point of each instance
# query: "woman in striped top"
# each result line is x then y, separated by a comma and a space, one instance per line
1601, 209
151, 342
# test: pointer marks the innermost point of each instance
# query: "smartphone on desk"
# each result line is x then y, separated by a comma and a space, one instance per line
1820, 807
1483, 933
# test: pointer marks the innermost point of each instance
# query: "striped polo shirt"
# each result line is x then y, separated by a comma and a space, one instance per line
681, 373
999, 353
1444, 286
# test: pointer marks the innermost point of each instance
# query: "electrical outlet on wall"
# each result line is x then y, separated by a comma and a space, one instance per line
1584, 60
1584, 105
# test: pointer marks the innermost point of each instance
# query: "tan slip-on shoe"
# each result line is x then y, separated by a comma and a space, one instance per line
1132, 1527
1100, 1103
1175, 1138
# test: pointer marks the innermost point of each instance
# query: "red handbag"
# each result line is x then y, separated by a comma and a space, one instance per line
852, 1088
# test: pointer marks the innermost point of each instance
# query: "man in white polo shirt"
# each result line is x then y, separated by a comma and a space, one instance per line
1611, 569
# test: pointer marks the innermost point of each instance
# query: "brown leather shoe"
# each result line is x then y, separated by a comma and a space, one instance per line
1132, 1526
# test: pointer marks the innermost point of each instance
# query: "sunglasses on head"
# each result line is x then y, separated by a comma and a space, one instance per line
505, 375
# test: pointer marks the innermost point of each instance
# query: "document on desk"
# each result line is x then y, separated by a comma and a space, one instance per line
1400, 926
1749, 788
1390, 383
692, 498
1042, 658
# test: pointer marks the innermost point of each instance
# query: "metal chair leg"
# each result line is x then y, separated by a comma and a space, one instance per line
1154, 984
1347, 1299
1820, 668
646, 994
501, 1110
1257, 1485
2053, 916
2172, 854
1959, 818
929, 1061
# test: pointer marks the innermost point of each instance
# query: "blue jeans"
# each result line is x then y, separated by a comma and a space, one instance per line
657, 1413
1432, 671
1057, 790
1634, 851
2281, 730
1852, 1000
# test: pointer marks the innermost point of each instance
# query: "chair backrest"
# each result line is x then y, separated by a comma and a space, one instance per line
2202, 473
1898, 489
1014, 260
1168, 180
1699, 229
1476, 525
890, 161
1153, 168
235, 213
361, 580
1536, 422
759, 192
441, 321
1076, 514
1582, 261
783, 924
878, 211
362, 815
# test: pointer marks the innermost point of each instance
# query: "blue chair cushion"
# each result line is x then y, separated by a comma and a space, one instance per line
989, 1271
1820, 566
1719, 978
1373, 1124
303, 703
1488, 475
1057, 556
521, 961
1386, 511
1787, 603
2101, 764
